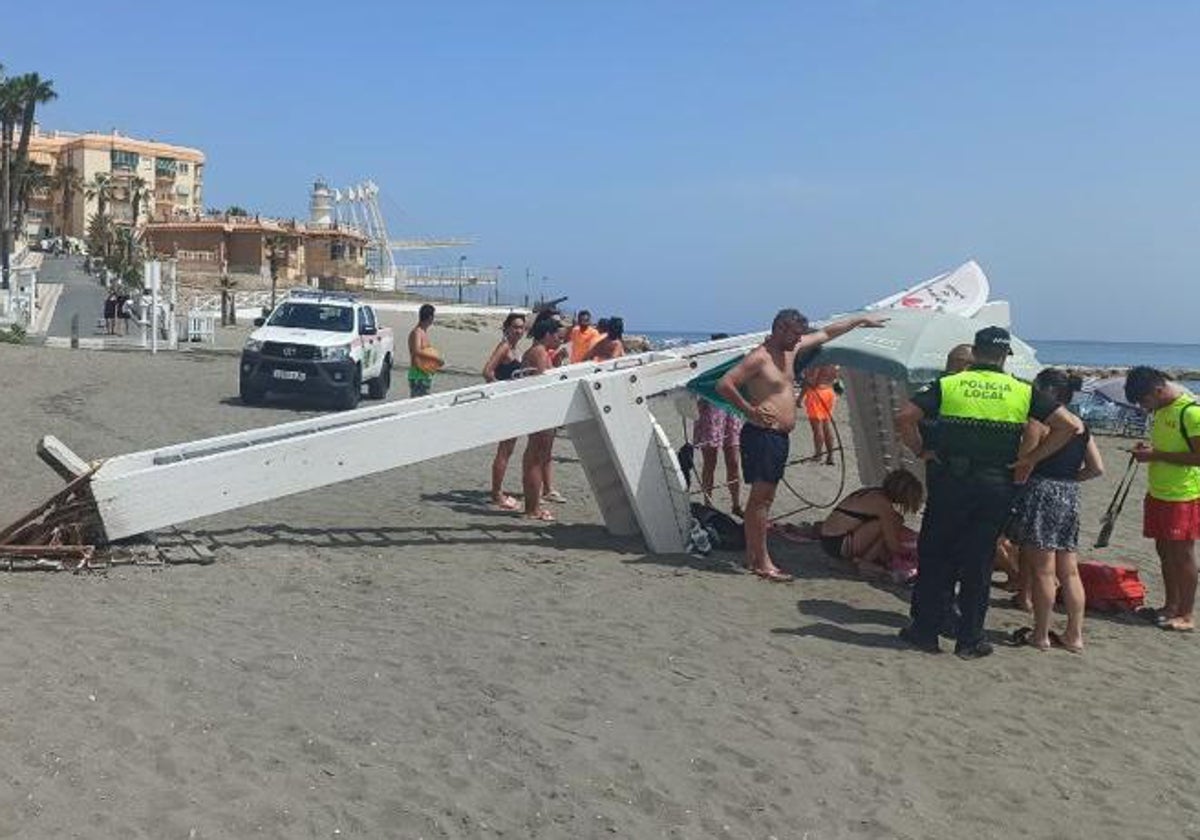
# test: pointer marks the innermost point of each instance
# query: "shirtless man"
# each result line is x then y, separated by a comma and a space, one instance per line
423, 359
767, 376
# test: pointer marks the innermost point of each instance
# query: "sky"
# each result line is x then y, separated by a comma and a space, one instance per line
697, 165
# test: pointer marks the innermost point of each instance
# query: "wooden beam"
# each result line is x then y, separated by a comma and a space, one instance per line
61, 459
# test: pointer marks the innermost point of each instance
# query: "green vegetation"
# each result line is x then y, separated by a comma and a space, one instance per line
19, 178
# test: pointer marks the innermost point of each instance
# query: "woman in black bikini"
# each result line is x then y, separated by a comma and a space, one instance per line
501, 365
865, 527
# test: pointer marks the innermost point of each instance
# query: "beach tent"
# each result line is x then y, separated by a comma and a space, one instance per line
883, 367
912, 347
963, 291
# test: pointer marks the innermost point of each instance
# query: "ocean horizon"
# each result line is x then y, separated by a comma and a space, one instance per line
1099, 354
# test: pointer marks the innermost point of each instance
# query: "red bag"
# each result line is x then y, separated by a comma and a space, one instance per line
1111, 588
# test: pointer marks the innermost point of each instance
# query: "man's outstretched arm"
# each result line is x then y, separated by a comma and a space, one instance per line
832, 331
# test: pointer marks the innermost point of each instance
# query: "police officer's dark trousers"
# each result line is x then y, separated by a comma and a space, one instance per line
963, 520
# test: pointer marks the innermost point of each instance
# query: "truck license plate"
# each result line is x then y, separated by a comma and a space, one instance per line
297, 375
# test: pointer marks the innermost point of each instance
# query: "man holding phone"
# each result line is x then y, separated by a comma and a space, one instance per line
1172, 507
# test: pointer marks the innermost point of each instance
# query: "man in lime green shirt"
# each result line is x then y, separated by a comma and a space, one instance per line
1172, 508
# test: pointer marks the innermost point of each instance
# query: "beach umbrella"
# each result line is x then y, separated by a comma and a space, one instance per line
912, 346
1111, 388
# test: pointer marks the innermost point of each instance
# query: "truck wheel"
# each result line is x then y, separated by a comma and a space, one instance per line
249, 394
350, 396
378, 387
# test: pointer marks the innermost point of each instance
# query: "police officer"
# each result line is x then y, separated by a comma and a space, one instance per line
981, 414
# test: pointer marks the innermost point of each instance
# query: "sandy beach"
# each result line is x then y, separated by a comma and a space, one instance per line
389, 658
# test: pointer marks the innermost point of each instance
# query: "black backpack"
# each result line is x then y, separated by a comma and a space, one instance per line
724, 532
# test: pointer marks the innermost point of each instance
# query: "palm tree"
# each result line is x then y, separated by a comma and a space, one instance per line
127, 256
11, 108
101, 188
29, 178
33, 91
67, 182
277, 253
100, 236
138, 192
228, 303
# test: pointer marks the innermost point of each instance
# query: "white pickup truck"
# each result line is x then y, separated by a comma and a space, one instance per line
321, 343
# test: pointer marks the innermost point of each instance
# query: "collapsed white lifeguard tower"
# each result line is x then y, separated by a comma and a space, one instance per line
626, 455
629, 462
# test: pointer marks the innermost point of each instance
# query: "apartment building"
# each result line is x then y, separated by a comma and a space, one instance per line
163, 182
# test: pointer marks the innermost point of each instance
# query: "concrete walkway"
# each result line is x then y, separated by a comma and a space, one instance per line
81, 294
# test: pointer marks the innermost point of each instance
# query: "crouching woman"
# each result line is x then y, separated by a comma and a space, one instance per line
866, 527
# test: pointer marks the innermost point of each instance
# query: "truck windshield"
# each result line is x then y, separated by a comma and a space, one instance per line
313, 316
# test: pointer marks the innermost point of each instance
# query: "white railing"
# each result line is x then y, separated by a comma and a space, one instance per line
247, 299
18, 302
445, 275
377, 283
196, 256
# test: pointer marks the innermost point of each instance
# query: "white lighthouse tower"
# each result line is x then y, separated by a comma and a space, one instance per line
320, 206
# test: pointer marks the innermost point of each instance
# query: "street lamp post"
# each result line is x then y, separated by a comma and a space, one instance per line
461, 262
6, 209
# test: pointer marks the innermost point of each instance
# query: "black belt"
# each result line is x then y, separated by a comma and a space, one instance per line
961, 466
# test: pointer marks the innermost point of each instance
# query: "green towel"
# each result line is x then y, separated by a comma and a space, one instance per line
705, 386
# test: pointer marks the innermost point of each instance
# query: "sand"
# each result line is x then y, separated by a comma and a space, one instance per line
389, 658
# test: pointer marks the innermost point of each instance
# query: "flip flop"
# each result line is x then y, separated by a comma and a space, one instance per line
554, 496
1150, 615
1056, 640
775, 576
507, 503
1174, 628
1023, 637
542, 515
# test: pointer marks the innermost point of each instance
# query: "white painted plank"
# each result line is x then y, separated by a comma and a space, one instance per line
155, 488
603, 478
634, 444
154, 497
60, 458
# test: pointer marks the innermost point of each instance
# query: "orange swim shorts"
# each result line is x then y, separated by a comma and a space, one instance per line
819, 402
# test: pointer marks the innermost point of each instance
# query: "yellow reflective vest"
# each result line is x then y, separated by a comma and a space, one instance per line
981, 417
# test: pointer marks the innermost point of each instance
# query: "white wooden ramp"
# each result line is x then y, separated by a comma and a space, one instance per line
624, 452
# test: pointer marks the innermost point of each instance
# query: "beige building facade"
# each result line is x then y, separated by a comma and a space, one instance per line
163, 182
243, 247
